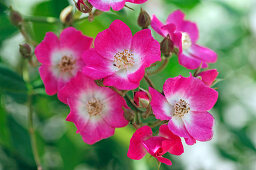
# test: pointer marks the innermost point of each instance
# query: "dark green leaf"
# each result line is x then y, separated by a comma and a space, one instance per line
6, 28
12, 84
187, 4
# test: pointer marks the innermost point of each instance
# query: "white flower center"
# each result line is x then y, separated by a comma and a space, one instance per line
186, 41
94, 107
181, 108
124, 59
67, 64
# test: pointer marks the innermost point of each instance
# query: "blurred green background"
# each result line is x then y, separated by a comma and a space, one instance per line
226, 26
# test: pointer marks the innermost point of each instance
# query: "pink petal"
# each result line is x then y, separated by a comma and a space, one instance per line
176, 147
175, 88
190, 62
115, 116
190, 28
73, 39
190, 140
170, 28
136, 149
177, 18
159, 104
137, 76
104, 5
73, 88
144, 45
120, 82
154, 144
94, 132
117, 6
44, 50
203, 53
96, 66
75, 117
164, 160
157, 25
116, 38
208, 76
201, 97
199, 125
177, 126
136, 1
50, 82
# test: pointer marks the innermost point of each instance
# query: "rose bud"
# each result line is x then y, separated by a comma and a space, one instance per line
15, 17
144, 19
166, 46
66, 15
25, 50
141, 99
83, 5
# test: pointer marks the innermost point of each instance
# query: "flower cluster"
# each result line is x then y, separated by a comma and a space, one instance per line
94, 81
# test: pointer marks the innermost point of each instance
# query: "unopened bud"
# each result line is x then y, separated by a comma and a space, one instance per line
144, 19
66, 15
15, 17
128, 114
83, 5
25, 50
141, 99
167, 46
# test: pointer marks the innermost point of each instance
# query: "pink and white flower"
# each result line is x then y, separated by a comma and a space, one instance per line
121, 58
96, 111
116, 5
141, 99
208, 76
61, 58
184, 35
142, 142
186, 104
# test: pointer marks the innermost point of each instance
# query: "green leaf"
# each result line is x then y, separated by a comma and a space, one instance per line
12, 84
20, 141
187, 4
6, 28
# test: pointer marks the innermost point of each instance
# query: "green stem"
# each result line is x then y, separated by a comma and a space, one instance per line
49, 20
150, 83
32, 133
160, 68
30, 119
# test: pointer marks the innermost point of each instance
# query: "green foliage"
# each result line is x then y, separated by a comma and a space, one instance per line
12, 84
186, 4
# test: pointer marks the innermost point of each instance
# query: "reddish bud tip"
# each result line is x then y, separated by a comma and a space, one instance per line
141, 99
15, 17
84, 6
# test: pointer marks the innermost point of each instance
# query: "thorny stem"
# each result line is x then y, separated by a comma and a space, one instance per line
26, 36
32, 133
157, 123
132, 102
30, 120
150, 83
160, 68
159, 165
129, 7
197, 70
